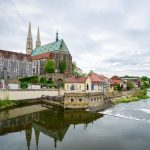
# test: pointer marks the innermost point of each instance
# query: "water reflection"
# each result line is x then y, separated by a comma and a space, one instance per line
54, 124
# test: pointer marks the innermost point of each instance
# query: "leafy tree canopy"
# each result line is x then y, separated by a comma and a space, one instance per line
91, 72
62, 66
24, 85
129, 85
43, 80
49, 67
32, 79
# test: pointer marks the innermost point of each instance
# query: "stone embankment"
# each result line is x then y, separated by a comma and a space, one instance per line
28, 94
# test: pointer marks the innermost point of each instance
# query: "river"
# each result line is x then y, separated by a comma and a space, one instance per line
123, 127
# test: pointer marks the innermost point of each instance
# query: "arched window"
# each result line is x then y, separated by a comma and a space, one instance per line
87, 87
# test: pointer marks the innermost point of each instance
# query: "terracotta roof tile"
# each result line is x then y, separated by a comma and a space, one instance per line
49, 55
95, 78
74, 79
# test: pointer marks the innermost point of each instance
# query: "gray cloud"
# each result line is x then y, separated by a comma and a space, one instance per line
108, 36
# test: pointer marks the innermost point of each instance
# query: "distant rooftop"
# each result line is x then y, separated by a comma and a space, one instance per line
14, 55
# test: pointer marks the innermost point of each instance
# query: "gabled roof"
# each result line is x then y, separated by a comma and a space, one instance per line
74, 79
51, 47
115, 78
116, 82
95, 78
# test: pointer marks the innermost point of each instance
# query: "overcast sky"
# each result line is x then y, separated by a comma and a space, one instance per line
107, 36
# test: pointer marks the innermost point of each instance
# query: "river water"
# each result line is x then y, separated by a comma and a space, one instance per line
123, 127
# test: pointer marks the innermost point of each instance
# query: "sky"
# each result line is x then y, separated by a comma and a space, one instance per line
111, 37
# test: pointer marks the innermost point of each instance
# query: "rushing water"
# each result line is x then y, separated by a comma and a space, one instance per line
126, 127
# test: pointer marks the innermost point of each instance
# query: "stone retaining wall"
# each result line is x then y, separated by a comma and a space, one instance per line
28, 94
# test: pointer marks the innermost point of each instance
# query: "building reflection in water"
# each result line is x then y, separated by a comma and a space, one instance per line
49, 122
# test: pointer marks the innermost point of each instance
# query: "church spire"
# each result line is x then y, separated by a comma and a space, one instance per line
57, 36
29, 32
37, 135
38, 42
28, 134
29, 44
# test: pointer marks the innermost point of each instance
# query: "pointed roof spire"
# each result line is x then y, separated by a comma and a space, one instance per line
28, 134
38, 42
29, 31
37, 135
57, 36
38, 35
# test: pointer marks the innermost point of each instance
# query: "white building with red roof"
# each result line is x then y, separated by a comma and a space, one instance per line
78, 84
100, 83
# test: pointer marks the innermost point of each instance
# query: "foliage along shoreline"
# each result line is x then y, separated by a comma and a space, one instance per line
138, 95
4, 104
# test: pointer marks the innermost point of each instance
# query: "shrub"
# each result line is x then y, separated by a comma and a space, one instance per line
43, 80
32, 79
24, 85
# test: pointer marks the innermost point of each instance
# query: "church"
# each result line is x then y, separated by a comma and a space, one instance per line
57, 51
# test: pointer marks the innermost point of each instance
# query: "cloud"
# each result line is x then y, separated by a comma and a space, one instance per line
108, 36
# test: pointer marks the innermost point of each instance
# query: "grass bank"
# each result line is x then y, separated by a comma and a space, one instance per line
137, 95
7, 104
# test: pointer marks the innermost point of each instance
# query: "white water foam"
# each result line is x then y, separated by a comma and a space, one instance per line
146, 110
138, 111
125, 117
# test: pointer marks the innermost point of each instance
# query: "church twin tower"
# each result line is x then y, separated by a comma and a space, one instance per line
29, 44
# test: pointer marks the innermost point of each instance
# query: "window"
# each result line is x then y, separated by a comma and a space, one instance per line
8, 69
80, 87
72, 100
80, 100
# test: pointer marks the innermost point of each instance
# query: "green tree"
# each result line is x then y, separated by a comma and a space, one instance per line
49, 67
32, 79
91, 72
43, 80
62, 66
144, 78
129, 85
118, 88
24, 85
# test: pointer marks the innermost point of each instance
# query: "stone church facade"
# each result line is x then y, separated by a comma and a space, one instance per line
56, 51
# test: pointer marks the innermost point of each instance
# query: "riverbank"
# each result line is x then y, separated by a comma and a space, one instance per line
9, 104
136, 96
4, 104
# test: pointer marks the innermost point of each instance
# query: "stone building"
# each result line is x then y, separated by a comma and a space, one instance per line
56, 51
13, 65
